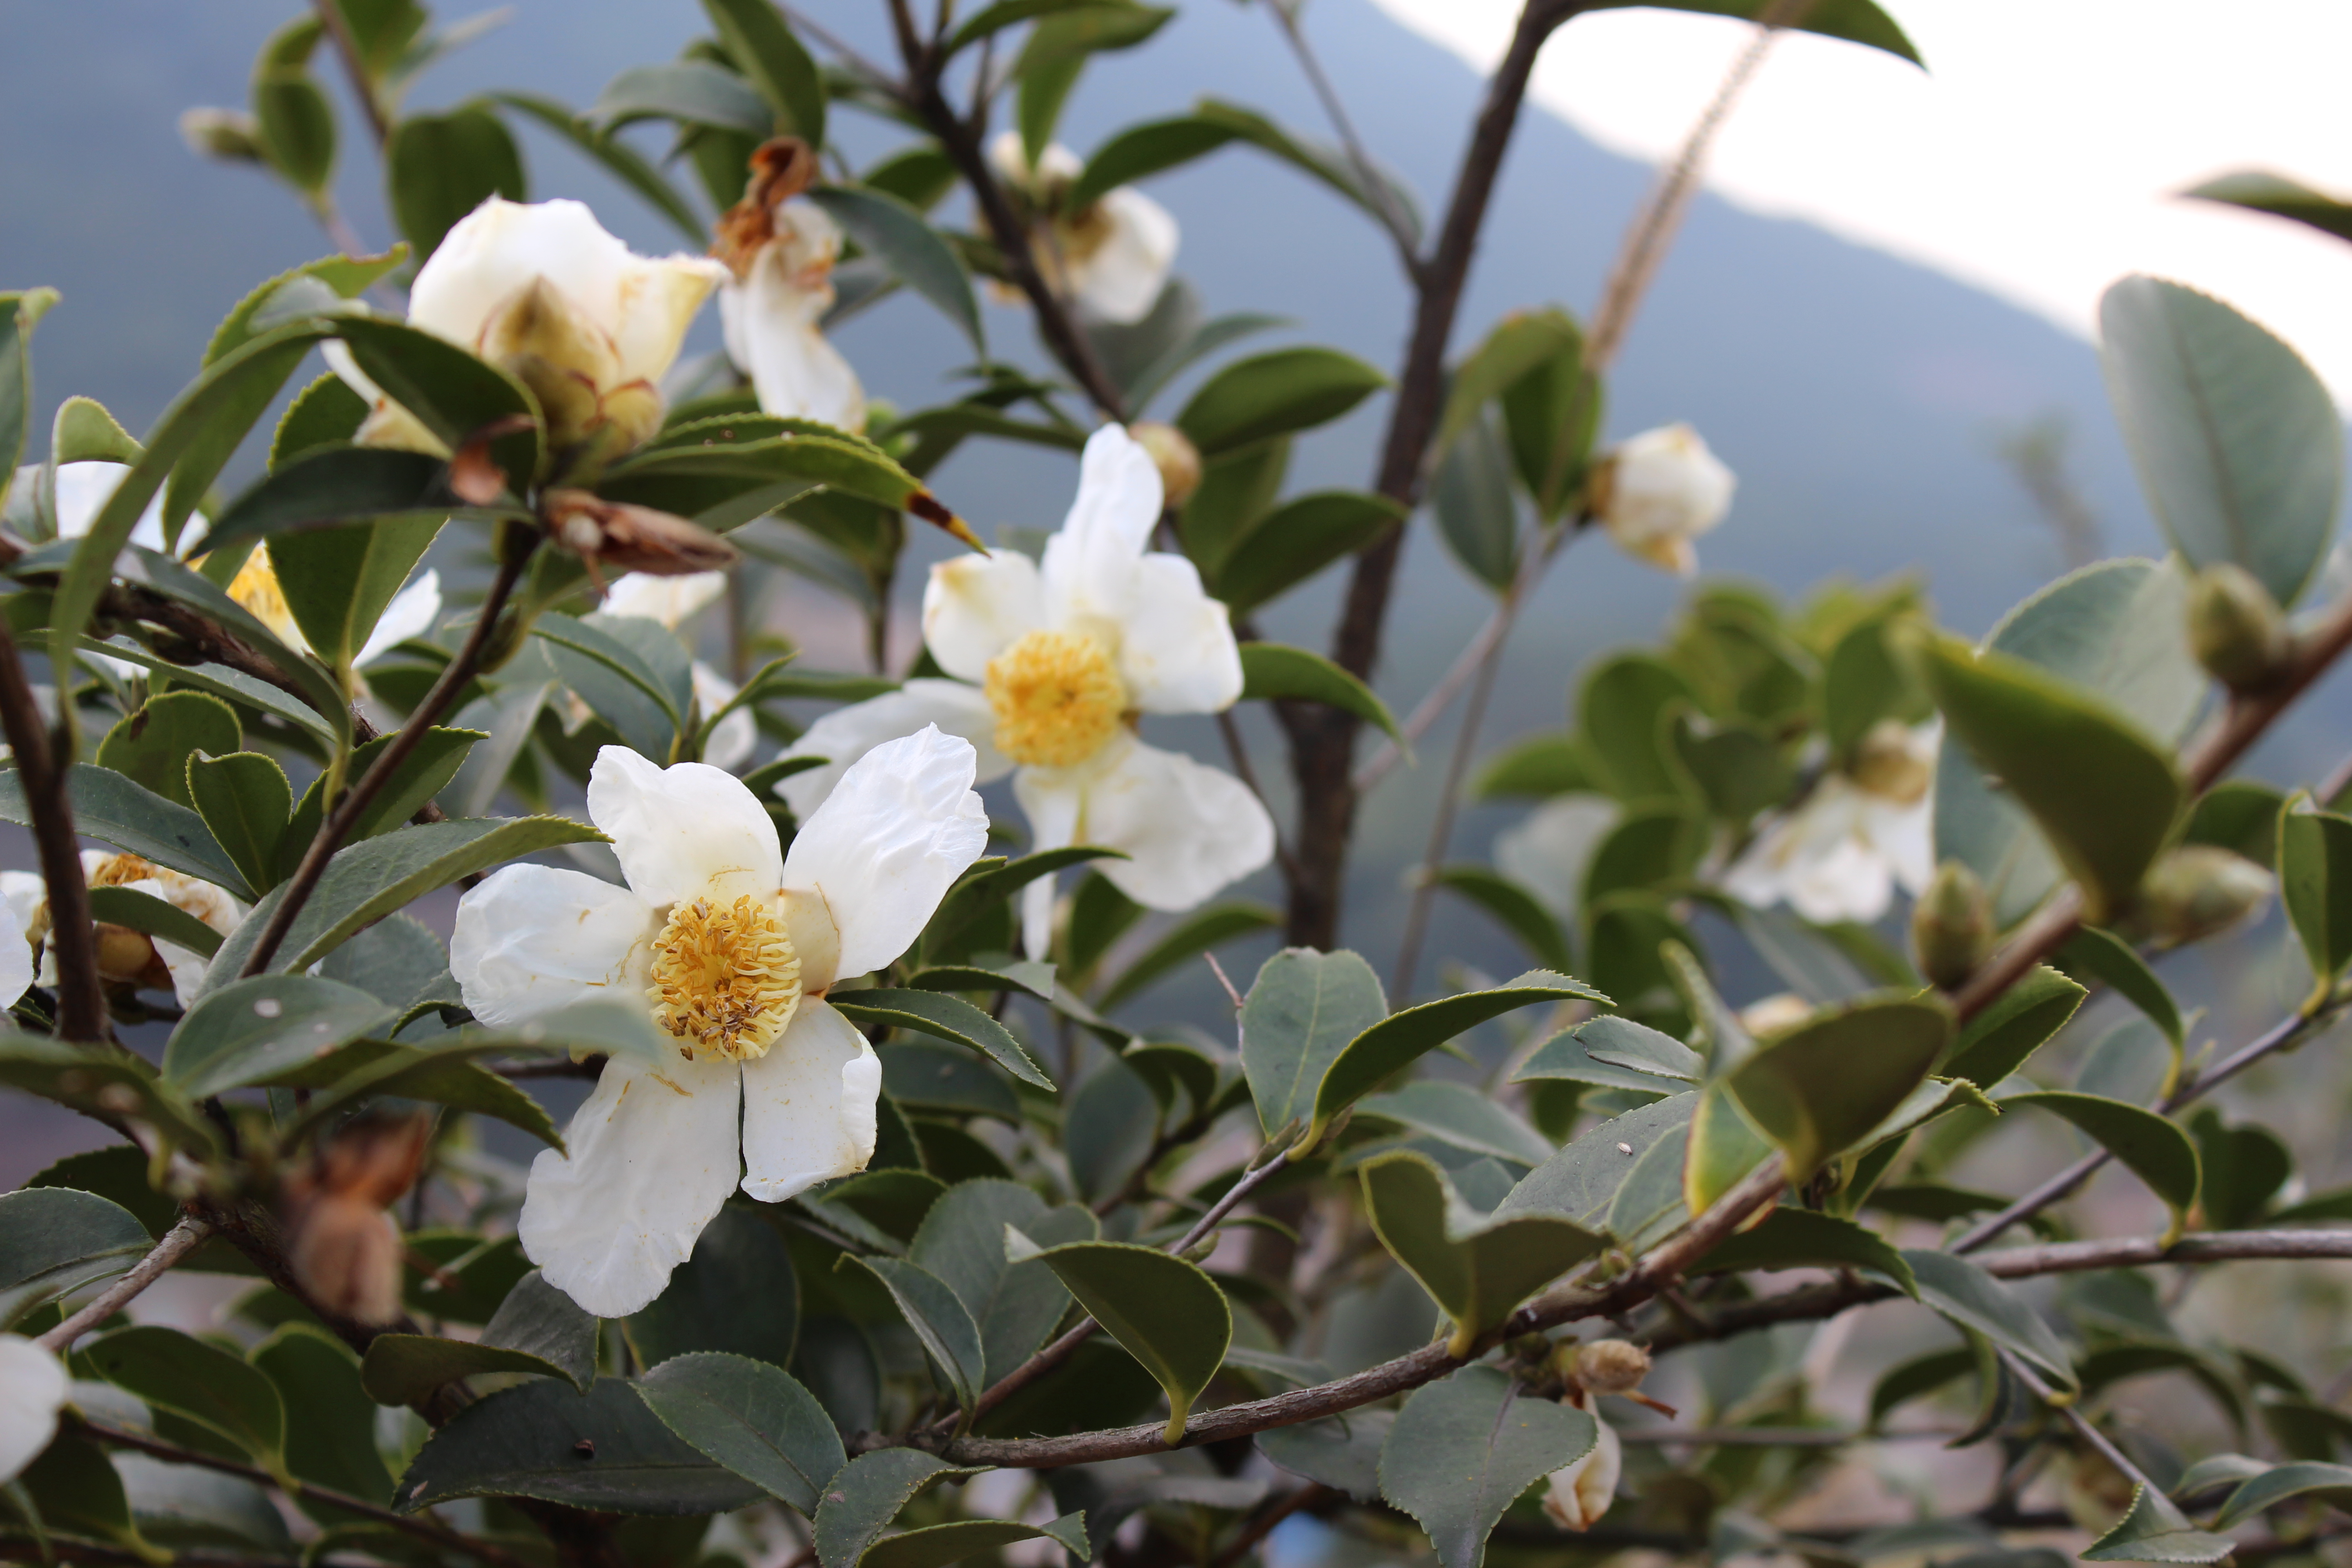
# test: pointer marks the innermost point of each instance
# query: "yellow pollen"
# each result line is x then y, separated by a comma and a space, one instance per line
1056, 698
121, 870
255, 587
725, 977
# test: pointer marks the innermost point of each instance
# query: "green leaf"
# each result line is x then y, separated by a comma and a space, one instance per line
2259, 190
1855, 21
723, 457
366, 1070
1236, 490
1302, 1010
2239, 1169
2238, 444
1536, 768
1824, 1085
2314, 865
18, 310
1908, 1380
1109, 1130
2152, 1147
334, 485
1276, 670
860, 1500
144, 912
936, 1545
2102, 791
1404, 1037
343, 279
452, 392
1015, 1305
760, 42
298, 127
1283, 548
940, 1321
2239, 815
1975, 1300
1516, 910
1622, 705
193, 1378
1343, 1452
327, 413
330, 1425
921, 1076
887, 227
1550, 416
439, 167
1275, 393
243, 800
1458, 1114
1996, 1041
103, 1084
617, 157
693, 92
368, 880
56, 1240
111, 808
1477, 512
2155, 1531
1610, 1052
751, 1417
76, 1487
251, 1031
1198, 932
83, 431
2330, 1484
2103, 955
738, 1258
537, 1330
1477, 1270
602, 1449
1802, 1238
946, 1018
1163, 1311
2117, 630
422, 774
1517, 345
1463, 1449
338, 581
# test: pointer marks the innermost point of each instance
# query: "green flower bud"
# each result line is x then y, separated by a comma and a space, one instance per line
2236, 628
230, 135
2199, 890
1951, 925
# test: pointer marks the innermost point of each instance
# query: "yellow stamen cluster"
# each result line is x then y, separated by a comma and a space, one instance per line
255, 587
725, 977
1057, 698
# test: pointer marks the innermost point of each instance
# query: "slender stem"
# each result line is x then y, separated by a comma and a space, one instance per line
177, 1243
803, 23
1772, 1437
1441, 826
81, 994
347, 49
362, 795
2083, 1424
409, 1524
1383, 195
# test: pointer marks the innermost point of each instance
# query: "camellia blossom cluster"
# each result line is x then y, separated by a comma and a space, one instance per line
125, 957
1052, 662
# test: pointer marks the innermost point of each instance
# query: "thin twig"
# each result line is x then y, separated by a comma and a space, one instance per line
411, 1524
1376, 186
330, 15
1773, 1437
177, 1243
73, 936
362, 795
2083, 1424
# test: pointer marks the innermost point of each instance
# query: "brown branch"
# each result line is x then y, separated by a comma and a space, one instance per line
1376, 189
423, 1529
73, 936
362, 794
177, 1243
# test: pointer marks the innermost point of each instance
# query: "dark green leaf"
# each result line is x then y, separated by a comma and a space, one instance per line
18, 310
1908, 1380
1477, 1270
1463, 1449
1015, 1305
439, 167
859, 1502
298, 127
1298, 538
1271, 670
1855, 21
329, 1423
1198, 932
1477, 514
332, 486
617, 157
135, 910
1802, 1238
537, 1328
243, 800
2242, 816
1163, 1311
1342, 1452
2155, 1531
760, 42
946, 1017
1996, 1041
152, 747
452, 392
2314, 863
1301, 1012
2154, 1150
1623, 704
1275, 394
2330, 1484
1975, 1300
251, 1031
193, 1378
109, 807
1458, 1114
1823, 1085
885, 227
2239, 1169
1536, 768
2103, 955
738, 1258
55, 1241
603, 1449
2259, 190
1108, 1130
936, 1545
939, 1320
751, 1417
693, 92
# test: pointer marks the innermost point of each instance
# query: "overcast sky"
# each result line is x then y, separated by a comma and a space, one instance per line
2037, 156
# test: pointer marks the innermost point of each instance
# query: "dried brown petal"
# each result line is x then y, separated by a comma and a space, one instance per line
625, 538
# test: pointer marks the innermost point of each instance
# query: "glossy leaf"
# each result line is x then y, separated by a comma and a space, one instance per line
251, 1031
1275, 393
887, 227
2102, 955
738, 1258
1458, 1114
1163, 1311
1302, 1010
1822, 1085
602, 1449
1463, 1449
1999, 1040
1475, 1268
1272, 670
56, 1240
2155, 1531
948, 1333
1285, 546
944, 1017
536, 1329
329, 1423
154, 746
243, 800
859, 1502
1976, 1302
1803, 1239
2330, 1484
111, 808
193, 1378
754, 1418
1516, 910
1015, 1305
2314, 860
1587, 1180
2153, 1149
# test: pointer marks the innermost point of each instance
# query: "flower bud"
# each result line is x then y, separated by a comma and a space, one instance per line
341, 1244
2199, 890
619, 536
1658, 491
2236, 629
1611, 1367
1951, 925
1576, 1496
1173, 454
230, 135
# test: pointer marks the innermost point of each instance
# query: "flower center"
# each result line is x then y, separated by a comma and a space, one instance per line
1056, 698
1885, 765
255, 587
725, 977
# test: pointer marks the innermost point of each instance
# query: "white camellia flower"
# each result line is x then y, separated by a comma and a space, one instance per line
770, 317
1113, 255
731, 945
673, 601
1841, 854
82, 491
33, 1386
1577, 1495
17, 906
542, 291
125, 957
1052, 665
1659, 490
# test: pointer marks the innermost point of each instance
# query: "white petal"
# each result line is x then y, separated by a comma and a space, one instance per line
532, 939
25, 892
659, 297
1578, 1494
1090, 564
1121, 281
889, 841
679, 829
653, 1155
1053, 799
496, 250
672, 601
33, 1386
846, 734
808, 1105
737, 735
83, 491
411, 614
1177, 653
15, 952
1187, 829
770, 320
976, 606
1819, 860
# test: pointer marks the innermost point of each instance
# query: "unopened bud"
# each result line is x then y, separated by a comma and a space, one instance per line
231, 135
621, 537
1611, 1367
2236, 629
1656, 492
1173, 452
1951, 925
2199, 890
